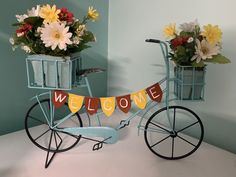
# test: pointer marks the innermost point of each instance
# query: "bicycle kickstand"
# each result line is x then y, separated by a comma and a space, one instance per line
49, 160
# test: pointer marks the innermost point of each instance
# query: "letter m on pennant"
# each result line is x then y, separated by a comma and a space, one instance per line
59, 98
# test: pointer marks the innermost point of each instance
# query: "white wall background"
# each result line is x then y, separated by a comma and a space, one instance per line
134, 64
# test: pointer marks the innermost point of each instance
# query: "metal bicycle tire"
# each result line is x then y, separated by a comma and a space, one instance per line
56, 134
172, 135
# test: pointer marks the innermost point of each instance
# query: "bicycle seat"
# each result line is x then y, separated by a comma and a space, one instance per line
85, 72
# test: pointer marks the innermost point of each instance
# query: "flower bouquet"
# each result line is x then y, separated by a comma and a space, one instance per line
52, 31
191, 47
53, 38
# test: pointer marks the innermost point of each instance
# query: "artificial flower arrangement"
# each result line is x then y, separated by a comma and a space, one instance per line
52, 31
192, 46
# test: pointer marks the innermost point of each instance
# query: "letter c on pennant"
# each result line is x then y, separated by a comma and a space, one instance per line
108, 105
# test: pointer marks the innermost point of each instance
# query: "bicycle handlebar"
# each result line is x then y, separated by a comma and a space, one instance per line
153, 40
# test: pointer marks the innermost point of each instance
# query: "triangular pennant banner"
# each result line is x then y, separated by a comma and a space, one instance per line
124, 103
59, 98
140, 99
108, 105
155, 92
75, 102
91, 105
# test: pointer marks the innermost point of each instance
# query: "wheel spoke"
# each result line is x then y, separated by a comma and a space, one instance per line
160, 141
174, 119
187, 127
156, 130
59, 136
173, 144
41, 135
160, 127
37, 119
55, 138
74, 136
186, 141
46, 109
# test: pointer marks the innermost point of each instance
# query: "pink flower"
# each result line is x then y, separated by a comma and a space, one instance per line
178, 41
66, 15
23, 30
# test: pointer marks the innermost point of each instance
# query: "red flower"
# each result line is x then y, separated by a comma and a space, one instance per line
66, 15
179, 41
23, 30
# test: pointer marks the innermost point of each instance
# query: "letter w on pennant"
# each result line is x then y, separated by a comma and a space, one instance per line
59, 98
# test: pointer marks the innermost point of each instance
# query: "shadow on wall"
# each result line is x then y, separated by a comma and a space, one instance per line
97, 81
119, 75
220, 130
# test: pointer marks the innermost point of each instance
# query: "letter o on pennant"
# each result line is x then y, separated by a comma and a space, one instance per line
124, 103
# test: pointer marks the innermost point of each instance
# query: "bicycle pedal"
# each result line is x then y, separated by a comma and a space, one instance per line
124, 124
97, 146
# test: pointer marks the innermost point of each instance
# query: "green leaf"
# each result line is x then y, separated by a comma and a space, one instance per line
17, 24
35, 21
200, 64
220, 59
88, 37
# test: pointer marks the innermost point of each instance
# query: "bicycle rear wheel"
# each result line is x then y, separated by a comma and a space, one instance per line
176, 137
39, 132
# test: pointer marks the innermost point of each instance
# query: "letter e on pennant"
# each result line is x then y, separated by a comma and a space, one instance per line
59, 98
75, 102
155, 92
124, 103
91, 105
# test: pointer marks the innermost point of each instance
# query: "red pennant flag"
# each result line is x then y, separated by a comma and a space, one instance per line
124, 103
59, 98
155, 92
91, 105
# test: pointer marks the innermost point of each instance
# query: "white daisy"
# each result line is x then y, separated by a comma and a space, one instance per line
55, 35
26, 48
190, 40
80, 31
76, 40
20, 18
12, 41
189, 27
34, 12
204, 51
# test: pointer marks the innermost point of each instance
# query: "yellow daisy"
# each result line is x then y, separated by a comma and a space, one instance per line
49, 14
92, 13
212, 33
170, 30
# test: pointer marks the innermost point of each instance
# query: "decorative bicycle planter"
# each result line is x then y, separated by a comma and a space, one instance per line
172, 132
189, 82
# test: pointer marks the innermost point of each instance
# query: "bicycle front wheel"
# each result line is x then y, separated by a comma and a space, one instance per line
175, 136
39, 132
